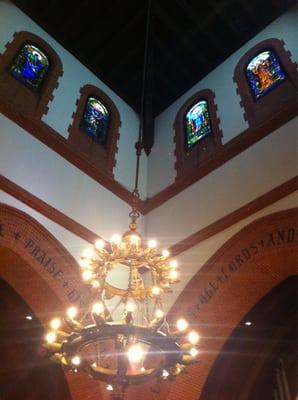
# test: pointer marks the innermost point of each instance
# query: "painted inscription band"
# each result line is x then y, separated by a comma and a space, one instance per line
237, 262
48, 263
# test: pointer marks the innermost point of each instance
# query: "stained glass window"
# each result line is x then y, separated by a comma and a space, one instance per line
197, 123
95, 119
264, 73
30, 66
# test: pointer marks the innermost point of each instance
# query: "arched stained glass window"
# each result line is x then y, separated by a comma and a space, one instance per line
95, 119
264, 73
197, 123
30, 66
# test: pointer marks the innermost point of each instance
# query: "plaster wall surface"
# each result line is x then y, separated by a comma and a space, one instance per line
44, 173
192, 260
252, 173
76, 75
161, 172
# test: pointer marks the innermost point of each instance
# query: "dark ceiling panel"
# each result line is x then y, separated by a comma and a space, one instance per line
188, 38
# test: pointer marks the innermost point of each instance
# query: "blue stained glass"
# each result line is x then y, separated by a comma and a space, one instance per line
197, 123
30, 66
264, 73
95, 119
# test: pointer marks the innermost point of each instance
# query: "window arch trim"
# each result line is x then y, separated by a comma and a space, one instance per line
36, 104
256, 111
188, 159
102, 156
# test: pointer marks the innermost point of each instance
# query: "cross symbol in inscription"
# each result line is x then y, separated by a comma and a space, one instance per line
17, 235
65, 284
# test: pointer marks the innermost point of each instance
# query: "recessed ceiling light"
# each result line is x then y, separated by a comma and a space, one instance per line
248, 323
29, 317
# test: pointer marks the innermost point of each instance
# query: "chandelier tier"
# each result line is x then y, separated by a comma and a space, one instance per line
123, 337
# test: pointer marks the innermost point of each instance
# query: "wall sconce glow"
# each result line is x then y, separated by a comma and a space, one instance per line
248, 323
110, 388
29, 317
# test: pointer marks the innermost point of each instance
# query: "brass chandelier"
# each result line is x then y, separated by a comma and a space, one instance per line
140, 344
122, 337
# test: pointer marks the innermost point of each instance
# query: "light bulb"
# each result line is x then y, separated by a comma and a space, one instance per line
98, 308
193, 337
89, 252
165, 253
29, 317
116, 239
99, 244
174, 274
182, 324
95, 284
130, 307
72, 312
152, 244
51, 337
87, 275
84, 263
134, 239
110, 388
159, 313
135, 353
76, 360
193, 352
165, 373
173, 264
155, 290
55, 323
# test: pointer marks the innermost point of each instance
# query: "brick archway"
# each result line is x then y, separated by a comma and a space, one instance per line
44, 274
238, 276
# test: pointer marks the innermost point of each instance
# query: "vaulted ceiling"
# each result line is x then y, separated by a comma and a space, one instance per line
187, 39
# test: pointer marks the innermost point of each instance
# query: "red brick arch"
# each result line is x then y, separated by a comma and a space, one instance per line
237, 277
25, 250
